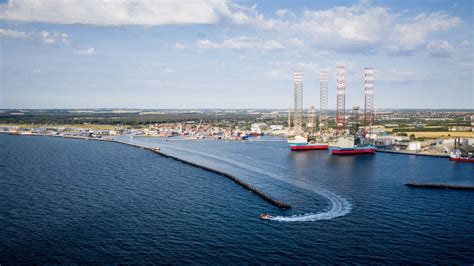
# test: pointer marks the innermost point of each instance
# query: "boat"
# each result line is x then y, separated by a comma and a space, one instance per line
462, 159
301, 143
353, 140
255, 134
461, 152
355, 150
265, 216
351, 145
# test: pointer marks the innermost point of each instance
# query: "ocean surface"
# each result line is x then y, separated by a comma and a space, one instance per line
68, 201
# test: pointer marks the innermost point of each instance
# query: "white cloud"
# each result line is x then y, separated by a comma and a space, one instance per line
158, 66
47, 37
396, 75
88, 51
134, 12
13, 34
155, 64
282, 12
359, 27
296, 42
64, 37
251, 17
53, 37
239, 43
279, 74
413, 35
439, 48
270, 45
306, 66
357, 23
44, 36
179, 46
117, 12
365, 27
275, 73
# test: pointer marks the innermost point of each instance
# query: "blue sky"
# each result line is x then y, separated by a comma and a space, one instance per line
232, 54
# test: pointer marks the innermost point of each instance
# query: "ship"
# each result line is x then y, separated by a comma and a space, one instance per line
265, 216
354, 140
352, 145
255, 134
302, 143
462, 152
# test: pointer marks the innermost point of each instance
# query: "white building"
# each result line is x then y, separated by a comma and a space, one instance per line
258, 127
276, 127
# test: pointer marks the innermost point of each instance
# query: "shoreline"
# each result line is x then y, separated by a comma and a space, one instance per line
277, 203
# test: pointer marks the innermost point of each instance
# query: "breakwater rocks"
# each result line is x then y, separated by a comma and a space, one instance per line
413, 153
439, 186
256, 191
278, 203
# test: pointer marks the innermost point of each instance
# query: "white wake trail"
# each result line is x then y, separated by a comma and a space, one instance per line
338, 206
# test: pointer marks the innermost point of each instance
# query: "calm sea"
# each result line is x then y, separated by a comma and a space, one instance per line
69, 201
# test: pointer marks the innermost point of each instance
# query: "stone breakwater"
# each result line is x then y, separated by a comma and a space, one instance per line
275, 202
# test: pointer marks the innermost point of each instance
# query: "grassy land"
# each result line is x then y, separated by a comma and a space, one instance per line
441, 134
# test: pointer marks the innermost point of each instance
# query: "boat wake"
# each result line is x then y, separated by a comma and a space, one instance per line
338, 206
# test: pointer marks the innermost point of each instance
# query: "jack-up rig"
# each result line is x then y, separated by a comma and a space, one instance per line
348, 137
298, 138
354, 140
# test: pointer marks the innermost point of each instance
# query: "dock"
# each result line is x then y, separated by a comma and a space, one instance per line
439, 186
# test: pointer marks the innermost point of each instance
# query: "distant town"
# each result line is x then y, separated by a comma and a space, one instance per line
430, 132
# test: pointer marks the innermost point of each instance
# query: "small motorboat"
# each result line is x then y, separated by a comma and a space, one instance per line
265, 216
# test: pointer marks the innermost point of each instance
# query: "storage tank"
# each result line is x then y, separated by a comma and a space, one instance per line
414, 146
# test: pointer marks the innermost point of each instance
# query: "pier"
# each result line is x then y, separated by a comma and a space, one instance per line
439, 186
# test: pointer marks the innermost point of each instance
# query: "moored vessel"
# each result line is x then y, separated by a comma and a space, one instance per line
302, 143
462, 159
353, 140
352, 145
462, 152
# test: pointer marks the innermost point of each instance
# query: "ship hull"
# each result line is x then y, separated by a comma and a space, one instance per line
303, 146
348, 151
462, 160
255, 134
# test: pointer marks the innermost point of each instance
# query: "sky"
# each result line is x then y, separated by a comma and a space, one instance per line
233, 54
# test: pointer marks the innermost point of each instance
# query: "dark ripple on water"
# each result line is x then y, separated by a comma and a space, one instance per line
68, 200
